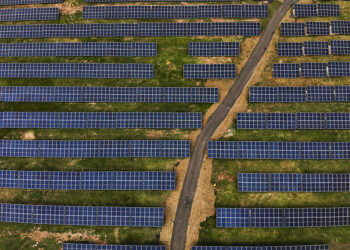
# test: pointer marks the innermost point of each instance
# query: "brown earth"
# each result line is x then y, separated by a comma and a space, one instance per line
28, 135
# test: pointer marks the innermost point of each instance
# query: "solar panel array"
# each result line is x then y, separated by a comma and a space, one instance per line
313, 10
168, 11
292, 29
293, 121
82, 215
19, 2
38, 14
131, 30
282, 217
340, 27
109, 94
316, 48
209, 71
276, 182
317, 28
102, 180
298, 247
95, 148
340, 47
165, 120
290, 49
79, 246
75, 70
294, 70
78, 49
300, 94
278, 150
213, 49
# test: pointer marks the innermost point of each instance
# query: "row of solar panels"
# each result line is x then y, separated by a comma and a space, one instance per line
109, 94
165, 120
82, 215
278, 150
179, 12
37, 14
131, 30
209, 71
315, 28
314, 48
213, 49
313, 10
80, 246
58, 180
300, 94
276, 182
78, 49
282, 217
19, 2
95, 148
75, 70
295, 70
293, 120
111, 1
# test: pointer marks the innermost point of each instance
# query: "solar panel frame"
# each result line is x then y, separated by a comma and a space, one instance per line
286, 70
290, 49
313, 69
293, 29
317, 28
327, 10
316, 48
305, 10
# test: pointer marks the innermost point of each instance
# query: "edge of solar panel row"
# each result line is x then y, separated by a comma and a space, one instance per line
314, 10
173, 11
27, 14
293, 182
87, 180
23, 2
95, 148
300, 94
85, 120
82, 215
78, 49
109, 94
316, 28
83, 246
131, 30
293, 247
76, 70
213, 49
278, 150
282, 217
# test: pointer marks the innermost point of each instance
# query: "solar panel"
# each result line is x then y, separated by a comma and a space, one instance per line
291, 94
248, 29
311, 120
278, 150
338, 120
328, 10
37, 14
338, 69
263, 94
282, 217
295, 247
79, 246
276, 182
305, 10
75, 70
286, 70
316, 48
320, 94
211, 49
108, 94
317, 28
78, 49
83, 215
94, 149
342, 93
87, 180
290, 49
19, 2
313, 69
209, 71
292, 29
266, 121
340, 47
340, 27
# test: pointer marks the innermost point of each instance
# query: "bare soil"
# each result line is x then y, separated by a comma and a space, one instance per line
28, 135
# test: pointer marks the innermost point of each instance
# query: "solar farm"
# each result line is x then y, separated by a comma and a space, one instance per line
102, 102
